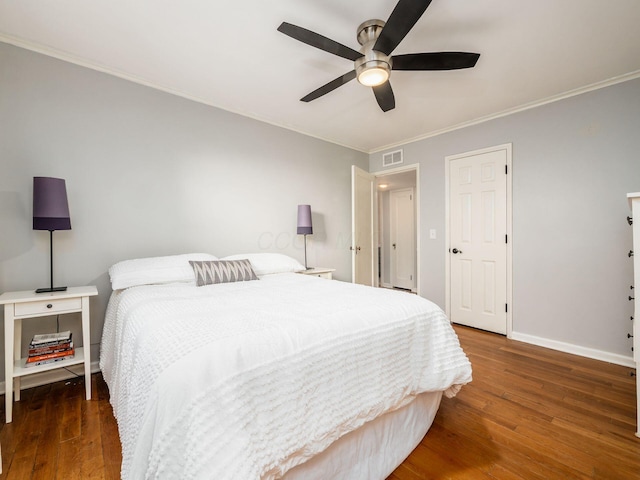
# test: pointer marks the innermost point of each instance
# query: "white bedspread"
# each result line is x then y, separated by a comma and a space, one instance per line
246, 380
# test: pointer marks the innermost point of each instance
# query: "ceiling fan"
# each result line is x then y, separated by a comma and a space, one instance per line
374, 62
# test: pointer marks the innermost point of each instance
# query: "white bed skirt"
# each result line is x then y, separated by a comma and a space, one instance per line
376, 449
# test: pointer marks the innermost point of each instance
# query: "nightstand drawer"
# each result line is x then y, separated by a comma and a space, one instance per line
326, 275
48, 306
321, 272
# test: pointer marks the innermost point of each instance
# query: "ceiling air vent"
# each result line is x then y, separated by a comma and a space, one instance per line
392, 158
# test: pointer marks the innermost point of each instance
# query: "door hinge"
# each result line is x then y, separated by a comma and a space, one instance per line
506, 239
506, 307
506, 169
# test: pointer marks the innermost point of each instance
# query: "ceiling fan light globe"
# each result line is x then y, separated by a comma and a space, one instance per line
372, 77
373, 68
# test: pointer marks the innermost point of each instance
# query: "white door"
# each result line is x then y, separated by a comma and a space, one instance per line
362, 211
403, 248
478, 239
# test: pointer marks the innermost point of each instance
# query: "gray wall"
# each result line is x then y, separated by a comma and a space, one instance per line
574, 161
151, 174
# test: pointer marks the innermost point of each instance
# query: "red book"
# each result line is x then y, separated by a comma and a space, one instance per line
50, 349
48, 356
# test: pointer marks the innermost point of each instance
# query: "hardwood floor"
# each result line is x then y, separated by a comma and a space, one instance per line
530, 413
57, 434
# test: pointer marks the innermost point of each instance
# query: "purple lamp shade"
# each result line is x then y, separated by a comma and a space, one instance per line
50, 206
305, 227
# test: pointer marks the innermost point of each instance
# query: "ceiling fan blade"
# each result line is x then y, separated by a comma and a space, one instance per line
316, 40
402, 19
435, 61
329, 87
384, 96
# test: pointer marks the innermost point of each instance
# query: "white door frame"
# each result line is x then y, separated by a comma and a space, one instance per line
508, 148
383, 173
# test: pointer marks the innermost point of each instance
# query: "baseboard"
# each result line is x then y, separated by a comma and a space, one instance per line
575, 349
44, 378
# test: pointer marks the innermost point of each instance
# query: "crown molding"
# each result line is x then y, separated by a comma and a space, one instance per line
527, 106
83, 62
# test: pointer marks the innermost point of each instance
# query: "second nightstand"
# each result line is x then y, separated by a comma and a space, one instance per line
321, 272
22, 305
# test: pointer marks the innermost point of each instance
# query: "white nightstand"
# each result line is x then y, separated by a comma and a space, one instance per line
321, 272
22, 305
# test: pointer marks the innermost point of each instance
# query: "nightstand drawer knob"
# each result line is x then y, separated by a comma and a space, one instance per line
49, 305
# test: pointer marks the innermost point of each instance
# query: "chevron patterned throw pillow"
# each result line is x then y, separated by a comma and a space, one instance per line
222, 271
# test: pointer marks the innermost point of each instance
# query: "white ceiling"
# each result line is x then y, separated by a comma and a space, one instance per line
228, 53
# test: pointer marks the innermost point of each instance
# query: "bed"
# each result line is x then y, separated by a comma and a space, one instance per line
281, 376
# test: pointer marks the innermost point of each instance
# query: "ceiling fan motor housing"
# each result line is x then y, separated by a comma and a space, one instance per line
368, 33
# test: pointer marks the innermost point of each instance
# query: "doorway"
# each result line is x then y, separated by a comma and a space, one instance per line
397, 221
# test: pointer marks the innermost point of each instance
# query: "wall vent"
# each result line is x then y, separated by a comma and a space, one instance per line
392, 158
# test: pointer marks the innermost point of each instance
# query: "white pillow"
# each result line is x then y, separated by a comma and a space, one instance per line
267, 263
154, 270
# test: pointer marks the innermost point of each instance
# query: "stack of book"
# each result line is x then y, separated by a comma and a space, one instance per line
49, 348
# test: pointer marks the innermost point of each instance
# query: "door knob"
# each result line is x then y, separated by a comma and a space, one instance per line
455, 250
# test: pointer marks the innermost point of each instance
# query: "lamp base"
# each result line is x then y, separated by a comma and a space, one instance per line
51, 289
